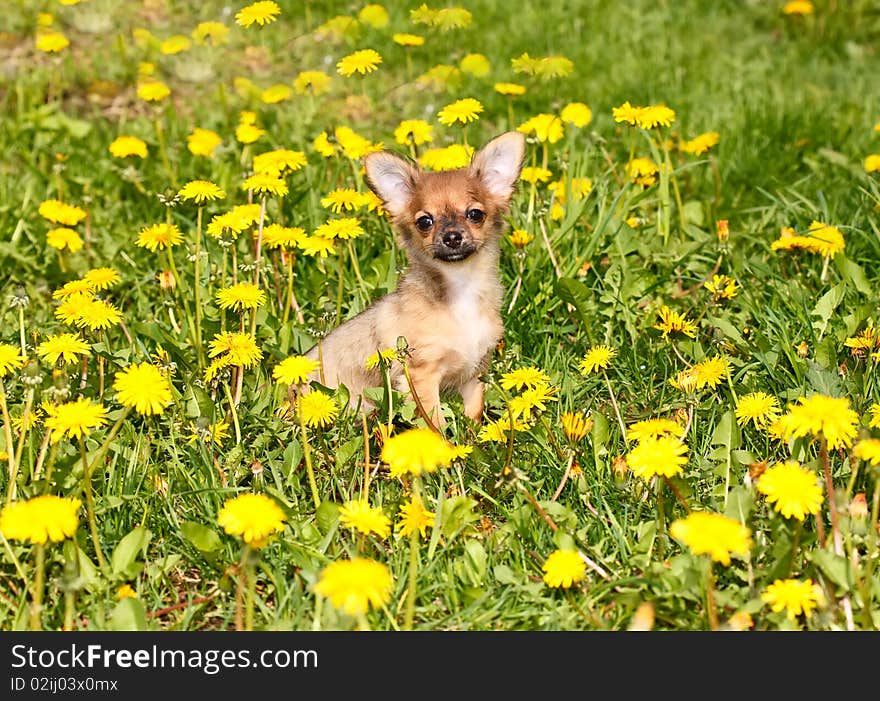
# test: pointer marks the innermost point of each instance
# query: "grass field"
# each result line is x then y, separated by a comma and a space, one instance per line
690, 352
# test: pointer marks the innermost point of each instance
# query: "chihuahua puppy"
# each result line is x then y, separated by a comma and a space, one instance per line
447, 303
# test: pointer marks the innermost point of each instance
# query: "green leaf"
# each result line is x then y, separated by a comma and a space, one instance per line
458, 512
327, 515
128, 614
727, 432
575, 293
823, 380
203, 538
835, 567
854, 274
124, 562
692, 213
347, 450
825, 307
504, 575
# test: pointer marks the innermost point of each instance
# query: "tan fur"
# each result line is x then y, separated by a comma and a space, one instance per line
447, 310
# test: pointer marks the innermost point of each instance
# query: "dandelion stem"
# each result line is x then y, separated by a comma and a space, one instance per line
616, 409
365, 488
39, 580
163, 152
90, 505
251, 588
232, 404
196, 289
711, 610
307, 453
835, 529
25, 420
549, 248
21, 330
413, 573
257, 254
7, 430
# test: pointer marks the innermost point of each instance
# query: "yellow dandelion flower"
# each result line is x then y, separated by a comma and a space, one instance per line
655, 116
353, 145
46, 518
143, 387
712, 534
374, 16
59, 212
345, 199
545, 127
577, 114
868, 450
413, 131
793, 491
378, 358
101, 278
700, 143
294, 370
626, 113
159, 236
311, 82
791, 595
798, 7
73, 287
175, 45
535, 174
74, 419
283, 237
52, 42
10, 359
255, 518
203, 142
673, 322
366, 519
125, 591
499, 431
642, 171
66, 346
153, 91
872, 163
665, 456
404, 39
261, 13
722, 287
265, 184
241, 296
759, 408
201, 191
123, 146
563, 568
342, 228
416, 451
595, 359
510, 89
576, 426
217, 32
654, 428
532, 398
317, 408
462, 111
414, 517
446, 19
361, 62
475, 64
69, 310
866, 341
207, 432
236, 347
275, 94
711, 371
355, 586
520, 238
446, 158
831, 417
248, 133
530, 376
98, 314
62, 238
317, 246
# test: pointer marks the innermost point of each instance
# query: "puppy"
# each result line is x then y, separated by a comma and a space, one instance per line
446, 304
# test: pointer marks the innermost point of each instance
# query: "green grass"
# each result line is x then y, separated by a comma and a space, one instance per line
794, 100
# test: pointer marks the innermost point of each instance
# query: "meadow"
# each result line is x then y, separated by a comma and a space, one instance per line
682, 424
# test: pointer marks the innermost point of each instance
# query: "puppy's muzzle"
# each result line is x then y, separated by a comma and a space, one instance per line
451, 246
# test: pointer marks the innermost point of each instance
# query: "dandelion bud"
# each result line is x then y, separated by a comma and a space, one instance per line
166, 280
858, 507
721, 227
643, 619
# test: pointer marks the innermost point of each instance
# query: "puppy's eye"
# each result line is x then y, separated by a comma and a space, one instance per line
475, 216
425, 222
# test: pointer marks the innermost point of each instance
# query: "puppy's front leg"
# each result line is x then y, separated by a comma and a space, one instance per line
426, 383
472, 396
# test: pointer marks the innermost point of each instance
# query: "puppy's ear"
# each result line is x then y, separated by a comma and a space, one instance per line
392, 179
499, 163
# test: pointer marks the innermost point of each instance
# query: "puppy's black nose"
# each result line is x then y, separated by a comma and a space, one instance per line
452, 239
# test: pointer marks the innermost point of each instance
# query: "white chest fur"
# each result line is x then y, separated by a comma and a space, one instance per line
471, 310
